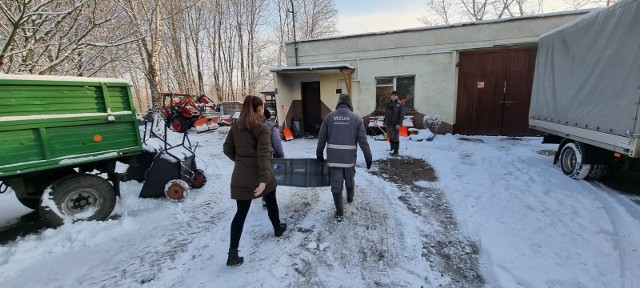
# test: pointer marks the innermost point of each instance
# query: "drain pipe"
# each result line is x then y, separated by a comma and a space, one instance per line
295, 43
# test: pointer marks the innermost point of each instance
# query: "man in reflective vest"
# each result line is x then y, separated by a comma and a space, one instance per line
342, 131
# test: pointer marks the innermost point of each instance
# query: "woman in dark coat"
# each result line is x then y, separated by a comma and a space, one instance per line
248, 144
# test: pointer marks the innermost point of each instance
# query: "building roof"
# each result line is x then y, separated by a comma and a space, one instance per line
481, 22
311, 68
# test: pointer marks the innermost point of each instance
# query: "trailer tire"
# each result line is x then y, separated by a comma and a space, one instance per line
198, 180
77, 198
571, 161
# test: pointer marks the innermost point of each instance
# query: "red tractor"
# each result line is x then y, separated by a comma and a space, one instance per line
179, 111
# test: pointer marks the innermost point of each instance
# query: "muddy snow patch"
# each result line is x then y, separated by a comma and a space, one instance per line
445, 248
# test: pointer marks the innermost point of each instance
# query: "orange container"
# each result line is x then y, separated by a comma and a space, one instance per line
404, 131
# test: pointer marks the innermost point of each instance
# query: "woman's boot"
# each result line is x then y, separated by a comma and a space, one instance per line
234, 259
280, 229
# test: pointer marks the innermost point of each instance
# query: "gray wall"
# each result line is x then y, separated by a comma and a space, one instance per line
431, 54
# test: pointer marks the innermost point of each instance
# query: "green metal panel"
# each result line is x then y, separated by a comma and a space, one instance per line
28, 100
48, 123
20, 146
79, 139
30, 123
119, 99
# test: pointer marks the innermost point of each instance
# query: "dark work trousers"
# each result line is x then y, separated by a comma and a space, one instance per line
241, 214
393, 133
339, 177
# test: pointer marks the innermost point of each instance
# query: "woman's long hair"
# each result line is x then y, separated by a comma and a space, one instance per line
249, 116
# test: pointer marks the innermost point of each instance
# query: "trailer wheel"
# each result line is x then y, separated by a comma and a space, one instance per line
176, 190
77, 198
571, 158
199, 179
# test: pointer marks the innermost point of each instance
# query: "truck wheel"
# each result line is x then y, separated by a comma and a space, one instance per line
571, 158
31, 203
598, 171
198, 180
77, 198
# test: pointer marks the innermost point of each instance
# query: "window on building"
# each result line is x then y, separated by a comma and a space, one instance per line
404, 85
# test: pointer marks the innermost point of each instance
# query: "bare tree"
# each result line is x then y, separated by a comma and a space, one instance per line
196, 22
440, 13
219, 47
63, 37
517, 8
582, 4
282, 27
145, 18
501, 7
475, 9
315, 18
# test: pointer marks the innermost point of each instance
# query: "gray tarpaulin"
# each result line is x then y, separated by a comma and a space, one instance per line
588, 72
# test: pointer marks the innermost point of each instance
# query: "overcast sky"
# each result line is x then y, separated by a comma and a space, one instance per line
363, 16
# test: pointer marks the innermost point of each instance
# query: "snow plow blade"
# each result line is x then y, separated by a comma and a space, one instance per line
206, 124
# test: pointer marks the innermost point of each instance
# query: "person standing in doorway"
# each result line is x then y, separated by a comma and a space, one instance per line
341, 132
248, 145
393, 118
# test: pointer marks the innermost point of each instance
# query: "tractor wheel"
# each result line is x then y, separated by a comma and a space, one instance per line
571, 161
77, 198
176, 190
198, 180
179, 124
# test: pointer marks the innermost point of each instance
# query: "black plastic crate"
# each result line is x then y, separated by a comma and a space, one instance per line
303, 172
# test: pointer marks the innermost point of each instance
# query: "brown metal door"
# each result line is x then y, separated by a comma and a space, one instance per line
517, 95
311, 107
480, 85
494, 91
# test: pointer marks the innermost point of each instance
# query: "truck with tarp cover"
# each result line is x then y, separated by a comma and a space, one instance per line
586, 91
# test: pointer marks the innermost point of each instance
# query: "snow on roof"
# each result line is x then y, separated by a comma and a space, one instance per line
481, 22
58, 78
311, 67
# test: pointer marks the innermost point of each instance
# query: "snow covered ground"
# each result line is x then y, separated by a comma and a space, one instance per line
499, 214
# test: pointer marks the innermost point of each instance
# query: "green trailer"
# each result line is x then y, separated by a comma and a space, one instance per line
54, 131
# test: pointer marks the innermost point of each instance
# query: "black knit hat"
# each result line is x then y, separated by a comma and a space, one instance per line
267, 113
346, 100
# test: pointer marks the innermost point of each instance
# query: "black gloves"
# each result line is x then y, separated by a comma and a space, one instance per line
368, 164
320, 159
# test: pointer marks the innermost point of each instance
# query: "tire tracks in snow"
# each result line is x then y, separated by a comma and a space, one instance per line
444, 247
329, 247
154, 255
626, 225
